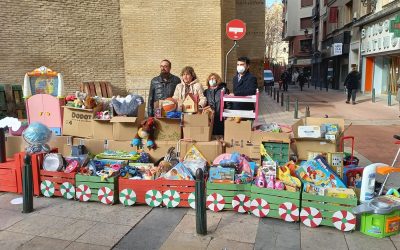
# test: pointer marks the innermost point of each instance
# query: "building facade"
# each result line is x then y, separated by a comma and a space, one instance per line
124, 41
297, 31
380, 48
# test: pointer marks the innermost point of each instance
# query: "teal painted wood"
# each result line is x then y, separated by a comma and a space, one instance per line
275, 200
233, 187
326, 206
228, 193
95, 183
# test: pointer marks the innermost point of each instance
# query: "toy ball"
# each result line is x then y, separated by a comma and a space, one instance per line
37, 134
169, 104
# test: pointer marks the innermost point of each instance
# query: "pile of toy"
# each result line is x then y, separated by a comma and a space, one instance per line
231, 168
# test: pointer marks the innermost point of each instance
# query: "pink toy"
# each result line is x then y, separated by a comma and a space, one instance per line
260, 180
271, 182
279, 185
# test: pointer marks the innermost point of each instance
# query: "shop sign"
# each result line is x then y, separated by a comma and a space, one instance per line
381, 36
337, 49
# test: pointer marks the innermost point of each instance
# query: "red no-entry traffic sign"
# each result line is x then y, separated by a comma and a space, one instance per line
235, 29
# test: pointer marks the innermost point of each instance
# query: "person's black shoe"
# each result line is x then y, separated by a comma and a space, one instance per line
354, 103
347, 102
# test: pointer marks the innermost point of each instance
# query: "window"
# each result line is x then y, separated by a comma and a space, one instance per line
324, 31
306, 3
305, 45
349, 12
306, 23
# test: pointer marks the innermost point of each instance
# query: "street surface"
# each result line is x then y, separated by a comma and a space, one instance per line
61, 224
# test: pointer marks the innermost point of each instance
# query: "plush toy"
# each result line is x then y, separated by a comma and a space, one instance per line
89, 103
146, 131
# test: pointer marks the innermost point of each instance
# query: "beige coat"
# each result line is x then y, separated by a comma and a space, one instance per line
195, 88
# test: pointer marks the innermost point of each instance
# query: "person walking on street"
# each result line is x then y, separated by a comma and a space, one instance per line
302, 79
244, 84
162, 86
352, 82
286, 81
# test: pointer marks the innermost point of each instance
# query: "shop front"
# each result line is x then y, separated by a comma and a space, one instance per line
380, 51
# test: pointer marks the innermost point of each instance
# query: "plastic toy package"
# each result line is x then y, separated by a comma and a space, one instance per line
179, 172
317, 175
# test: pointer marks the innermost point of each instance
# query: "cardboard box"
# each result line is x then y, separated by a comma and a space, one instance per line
78, 122
304, 145
237, 134
102, 129
63, 143
210, 150
125, 128
196, 120
14, 144
197, 133
168, 129
251, 148
93, 146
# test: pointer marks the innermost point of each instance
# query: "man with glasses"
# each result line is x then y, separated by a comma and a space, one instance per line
162, 86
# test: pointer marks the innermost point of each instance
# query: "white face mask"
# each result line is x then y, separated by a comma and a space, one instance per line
212, 82
240, 69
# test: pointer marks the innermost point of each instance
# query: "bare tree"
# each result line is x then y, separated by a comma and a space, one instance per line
273, 30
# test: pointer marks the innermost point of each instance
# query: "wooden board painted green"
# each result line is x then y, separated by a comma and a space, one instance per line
95, 183
228, 191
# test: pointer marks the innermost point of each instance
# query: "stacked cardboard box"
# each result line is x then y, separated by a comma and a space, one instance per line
197, 127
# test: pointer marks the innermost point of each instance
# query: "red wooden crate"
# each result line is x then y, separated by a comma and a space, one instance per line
184, 188
11, 175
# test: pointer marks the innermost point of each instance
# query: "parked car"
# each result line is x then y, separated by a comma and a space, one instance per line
268, 78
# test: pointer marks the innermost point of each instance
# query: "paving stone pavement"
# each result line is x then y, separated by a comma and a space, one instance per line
62, 224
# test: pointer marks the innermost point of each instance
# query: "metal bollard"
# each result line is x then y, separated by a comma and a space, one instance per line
277, 96
296, 109
287, 102
27, 183
389, 98
308, 111
3, 157
373, 95
282, 99
274, 93
200, 197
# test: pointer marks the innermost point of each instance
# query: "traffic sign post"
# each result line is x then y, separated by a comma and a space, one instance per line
235, 30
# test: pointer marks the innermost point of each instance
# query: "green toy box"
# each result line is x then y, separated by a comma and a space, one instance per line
380, 225
93, 188
279, 151
228, 191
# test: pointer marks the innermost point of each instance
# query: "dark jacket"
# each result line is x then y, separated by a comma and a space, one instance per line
214, 101
246, 86
302, 79
159, 90
352, 80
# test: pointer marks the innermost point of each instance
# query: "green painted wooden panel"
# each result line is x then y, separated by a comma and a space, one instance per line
228, 193
88, 178
275, 199
311, 197
325, 206
96, 184
273, 192
236, 187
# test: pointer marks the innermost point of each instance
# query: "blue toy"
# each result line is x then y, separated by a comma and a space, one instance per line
37, 135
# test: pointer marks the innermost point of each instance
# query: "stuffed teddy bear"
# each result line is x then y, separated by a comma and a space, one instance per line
146, 131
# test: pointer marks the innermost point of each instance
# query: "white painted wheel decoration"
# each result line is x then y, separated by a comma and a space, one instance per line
171, 198
127, 197
47, 188
153, 198
192, 200
288, 212
105, 195
215, 202
344, 220
241, 203
67, 190
259, 207
311, 217
83, 193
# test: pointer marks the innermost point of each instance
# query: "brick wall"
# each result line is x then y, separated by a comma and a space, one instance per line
187, 32
81, 39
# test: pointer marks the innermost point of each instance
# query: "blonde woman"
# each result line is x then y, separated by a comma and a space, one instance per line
189, 85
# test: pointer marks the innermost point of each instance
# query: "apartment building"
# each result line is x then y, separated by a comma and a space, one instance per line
297, 31
380, 47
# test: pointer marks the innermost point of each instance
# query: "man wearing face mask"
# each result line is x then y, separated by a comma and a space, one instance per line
162, 86
244, 84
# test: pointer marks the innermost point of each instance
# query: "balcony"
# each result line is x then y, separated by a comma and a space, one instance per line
344, 38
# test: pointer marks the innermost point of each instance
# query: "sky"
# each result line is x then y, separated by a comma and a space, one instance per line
269, 2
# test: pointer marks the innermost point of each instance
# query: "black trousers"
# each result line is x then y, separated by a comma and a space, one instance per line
351, 93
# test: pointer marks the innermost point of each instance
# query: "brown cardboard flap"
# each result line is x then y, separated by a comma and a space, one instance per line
124, 119
235, 132
75, 108
257, 137
196, 120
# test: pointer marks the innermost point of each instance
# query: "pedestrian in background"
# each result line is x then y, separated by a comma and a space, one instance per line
302, 79
189, 85
162, 86
352, 82
213, 95
244, 84
286, 81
